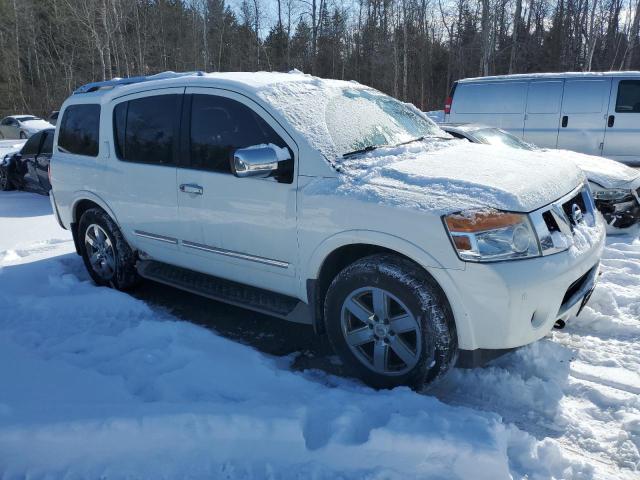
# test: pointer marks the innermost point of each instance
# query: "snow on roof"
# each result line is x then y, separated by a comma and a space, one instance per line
529, 76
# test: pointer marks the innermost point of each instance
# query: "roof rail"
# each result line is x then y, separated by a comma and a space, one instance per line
116, 82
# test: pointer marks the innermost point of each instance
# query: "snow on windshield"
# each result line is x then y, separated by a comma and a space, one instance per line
338, 117
358, 118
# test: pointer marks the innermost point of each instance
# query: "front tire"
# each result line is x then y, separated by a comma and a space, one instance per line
23, 136
106, 254
390, 323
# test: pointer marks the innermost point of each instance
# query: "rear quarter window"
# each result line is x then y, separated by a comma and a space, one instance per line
79, 130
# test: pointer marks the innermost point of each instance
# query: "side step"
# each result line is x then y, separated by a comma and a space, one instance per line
245, 296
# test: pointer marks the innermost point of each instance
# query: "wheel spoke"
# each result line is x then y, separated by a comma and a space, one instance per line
380, 356
401, 349
90, 240
380, 303
403, 323
358, 310
359, 336
94, 259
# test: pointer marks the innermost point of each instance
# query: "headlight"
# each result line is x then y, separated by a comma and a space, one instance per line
613, 194
491, 235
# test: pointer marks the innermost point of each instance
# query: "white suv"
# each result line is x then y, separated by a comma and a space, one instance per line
329, 203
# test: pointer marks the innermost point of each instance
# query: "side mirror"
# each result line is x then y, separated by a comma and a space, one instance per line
254, 162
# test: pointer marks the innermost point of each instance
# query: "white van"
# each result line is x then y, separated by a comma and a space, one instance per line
594, 113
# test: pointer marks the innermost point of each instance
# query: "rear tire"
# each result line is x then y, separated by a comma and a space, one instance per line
106, 254
390, 323
5, 181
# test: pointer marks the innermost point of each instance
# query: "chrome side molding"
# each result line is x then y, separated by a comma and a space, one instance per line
233, 254
153, 236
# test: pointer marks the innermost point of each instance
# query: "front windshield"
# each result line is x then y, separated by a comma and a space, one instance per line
495, 136
359, 119
26, 118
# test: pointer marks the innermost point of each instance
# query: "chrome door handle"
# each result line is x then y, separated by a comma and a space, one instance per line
191, 188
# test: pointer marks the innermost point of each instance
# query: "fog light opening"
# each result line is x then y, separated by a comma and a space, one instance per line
560, 324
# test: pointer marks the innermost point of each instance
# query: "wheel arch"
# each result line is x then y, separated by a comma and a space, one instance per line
335, 253
83, 202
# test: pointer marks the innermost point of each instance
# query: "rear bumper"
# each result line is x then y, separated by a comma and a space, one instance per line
54, 208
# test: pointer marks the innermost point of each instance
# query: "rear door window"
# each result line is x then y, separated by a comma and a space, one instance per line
47, 145
33, 145
219, 126
628, 100
79, 130
145, 129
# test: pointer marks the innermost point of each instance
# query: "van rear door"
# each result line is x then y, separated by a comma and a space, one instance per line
623, 122
582, 121
541, 123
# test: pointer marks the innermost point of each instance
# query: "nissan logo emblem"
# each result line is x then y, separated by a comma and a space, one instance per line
576, 213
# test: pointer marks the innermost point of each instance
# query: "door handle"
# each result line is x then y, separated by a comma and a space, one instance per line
191, 188
611, 121
565, 121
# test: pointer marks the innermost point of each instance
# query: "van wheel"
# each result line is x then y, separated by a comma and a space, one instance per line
106, 254
5, 182
390, 323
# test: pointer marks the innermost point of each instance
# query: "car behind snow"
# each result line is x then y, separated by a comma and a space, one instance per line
328, 203
22, 126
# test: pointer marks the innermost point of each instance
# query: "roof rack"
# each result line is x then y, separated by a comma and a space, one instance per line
116, 82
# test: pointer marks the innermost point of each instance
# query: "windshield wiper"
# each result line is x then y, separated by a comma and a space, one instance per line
368, 148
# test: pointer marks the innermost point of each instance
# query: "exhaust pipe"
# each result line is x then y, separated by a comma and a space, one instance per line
560, 324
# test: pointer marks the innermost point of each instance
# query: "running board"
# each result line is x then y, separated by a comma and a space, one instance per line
245, 296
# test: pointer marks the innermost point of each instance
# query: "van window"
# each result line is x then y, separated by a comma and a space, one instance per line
79, 130
144, 129
490, 97
628, 100
584, 96
544, 97
219, 126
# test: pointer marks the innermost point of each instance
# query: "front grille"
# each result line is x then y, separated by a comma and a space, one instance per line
555, 222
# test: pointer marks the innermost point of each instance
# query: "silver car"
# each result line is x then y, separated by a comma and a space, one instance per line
22, 126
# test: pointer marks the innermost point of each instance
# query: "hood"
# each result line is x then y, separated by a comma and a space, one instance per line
453, 175
603, 171
36, 124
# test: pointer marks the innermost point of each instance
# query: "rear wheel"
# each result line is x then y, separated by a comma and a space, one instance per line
106, 254
5, 182
390, 323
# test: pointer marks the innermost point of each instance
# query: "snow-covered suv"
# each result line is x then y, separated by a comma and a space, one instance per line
329, 203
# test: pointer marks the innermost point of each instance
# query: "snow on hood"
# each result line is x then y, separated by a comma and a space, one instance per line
36, 124
444, 176
453, 175
605, 172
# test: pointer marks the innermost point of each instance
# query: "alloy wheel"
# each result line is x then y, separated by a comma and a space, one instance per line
100, 251
381, 331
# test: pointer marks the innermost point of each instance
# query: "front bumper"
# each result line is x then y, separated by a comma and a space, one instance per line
510, 304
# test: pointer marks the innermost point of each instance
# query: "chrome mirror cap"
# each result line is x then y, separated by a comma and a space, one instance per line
254, 162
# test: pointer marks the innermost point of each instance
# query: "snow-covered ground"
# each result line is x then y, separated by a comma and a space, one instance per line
95, 383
